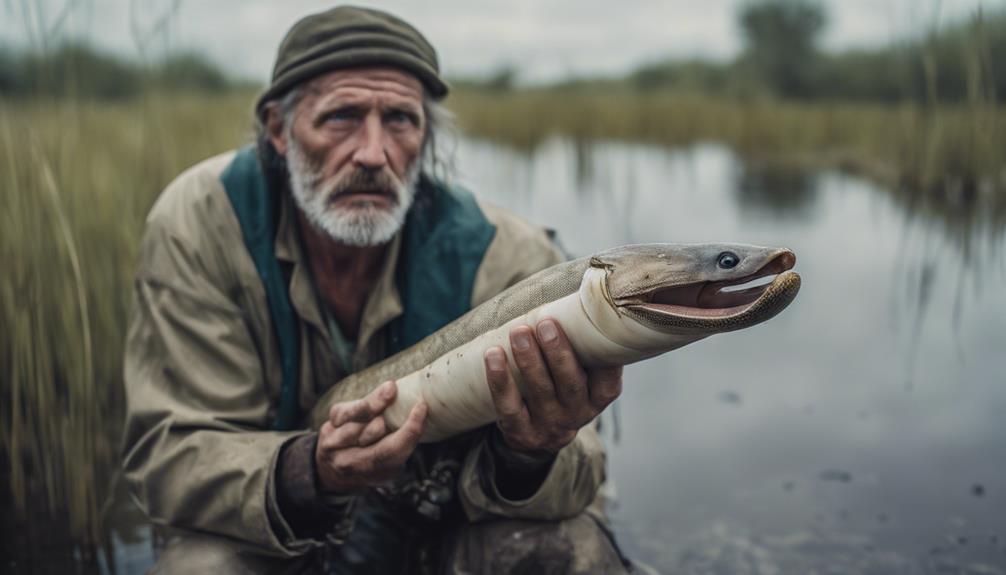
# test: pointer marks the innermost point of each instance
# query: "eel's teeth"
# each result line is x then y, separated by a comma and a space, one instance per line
757, 282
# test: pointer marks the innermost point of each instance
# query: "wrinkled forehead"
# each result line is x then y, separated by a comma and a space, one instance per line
390, 85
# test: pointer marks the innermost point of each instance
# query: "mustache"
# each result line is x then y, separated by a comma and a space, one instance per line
363, 180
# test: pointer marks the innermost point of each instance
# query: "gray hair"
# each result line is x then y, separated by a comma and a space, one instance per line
437, 153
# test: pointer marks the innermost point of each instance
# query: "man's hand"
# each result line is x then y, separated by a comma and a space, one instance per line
355, 449
561, 397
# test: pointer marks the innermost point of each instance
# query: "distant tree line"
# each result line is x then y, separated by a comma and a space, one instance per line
782, 58
78, 70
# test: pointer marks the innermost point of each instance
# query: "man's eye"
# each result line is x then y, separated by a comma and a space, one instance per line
400, 117
343, 115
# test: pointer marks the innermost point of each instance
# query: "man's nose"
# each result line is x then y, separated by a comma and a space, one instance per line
370, 152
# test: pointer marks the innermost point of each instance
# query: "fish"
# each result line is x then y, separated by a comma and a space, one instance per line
616, 307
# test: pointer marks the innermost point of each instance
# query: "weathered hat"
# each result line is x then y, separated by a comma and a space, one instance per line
351, 37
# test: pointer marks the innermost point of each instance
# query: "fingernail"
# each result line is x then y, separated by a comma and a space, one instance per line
387, 391
494, 359
521, 341
547, 330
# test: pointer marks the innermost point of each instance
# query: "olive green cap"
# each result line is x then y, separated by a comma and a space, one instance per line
351, 37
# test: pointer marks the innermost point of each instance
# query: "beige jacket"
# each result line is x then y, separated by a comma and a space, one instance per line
203, 376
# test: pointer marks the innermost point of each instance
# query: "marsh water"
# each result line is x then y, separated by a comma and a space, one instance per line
861, 431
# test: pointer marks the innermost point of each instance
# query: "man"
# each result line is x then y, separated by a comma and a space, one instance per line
267, 276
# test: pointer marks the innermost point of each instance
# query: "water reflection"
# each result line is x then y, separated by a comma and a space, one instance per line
846, 435
788, 191
859, 432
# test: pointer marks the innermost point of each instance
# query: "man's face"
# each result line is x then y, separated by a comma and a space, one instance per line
352, 148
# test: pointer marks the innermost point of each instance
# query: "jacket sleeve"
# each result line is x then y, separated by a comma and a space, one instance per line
197, 451
518, 251
569, 487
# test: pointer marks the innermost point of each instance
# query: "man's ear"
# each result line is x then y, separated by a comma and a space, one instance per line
274, 128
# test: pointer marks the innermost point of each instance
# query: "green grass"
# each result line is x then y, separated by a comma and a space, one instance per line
900, 144
77, 179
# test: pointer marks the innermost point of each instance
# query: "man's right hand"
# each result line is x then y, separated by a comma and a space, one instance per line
356, 451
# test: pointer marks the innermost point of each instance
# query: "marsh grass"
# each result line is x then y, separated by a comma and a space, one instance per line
78, 177
926, 148
77, 180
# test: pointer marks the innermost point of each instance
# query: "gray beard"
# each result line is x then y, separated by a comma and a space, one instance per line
357, 225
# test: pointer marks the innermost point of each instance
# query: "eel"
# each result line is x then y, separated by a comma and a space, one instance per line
617, 307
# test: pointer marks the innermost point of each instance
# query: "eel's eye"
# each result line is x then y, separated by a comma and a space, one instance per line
728, 260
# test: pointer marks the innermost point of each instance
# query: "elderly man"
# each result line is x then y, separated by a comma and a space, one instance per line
266, 275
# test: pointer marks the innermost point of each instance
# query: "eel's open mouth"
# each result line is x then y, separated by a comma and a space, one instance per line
722, 298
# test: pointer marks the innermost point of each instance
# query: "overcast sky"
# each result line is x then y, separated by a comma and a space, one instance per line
544, 39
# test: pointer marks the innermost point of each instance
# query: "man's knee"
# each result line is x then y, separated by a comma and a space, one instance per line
571, 546
197, 553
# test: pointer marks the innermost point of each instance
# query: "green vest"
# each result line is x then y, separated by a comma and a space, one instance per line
443, 242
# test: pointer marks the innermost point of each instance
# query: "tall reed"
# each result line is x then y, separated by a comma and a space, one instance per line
76, 181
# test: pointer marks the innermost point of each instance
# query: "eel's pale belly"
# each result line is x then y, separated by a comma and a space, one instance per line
454, 385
